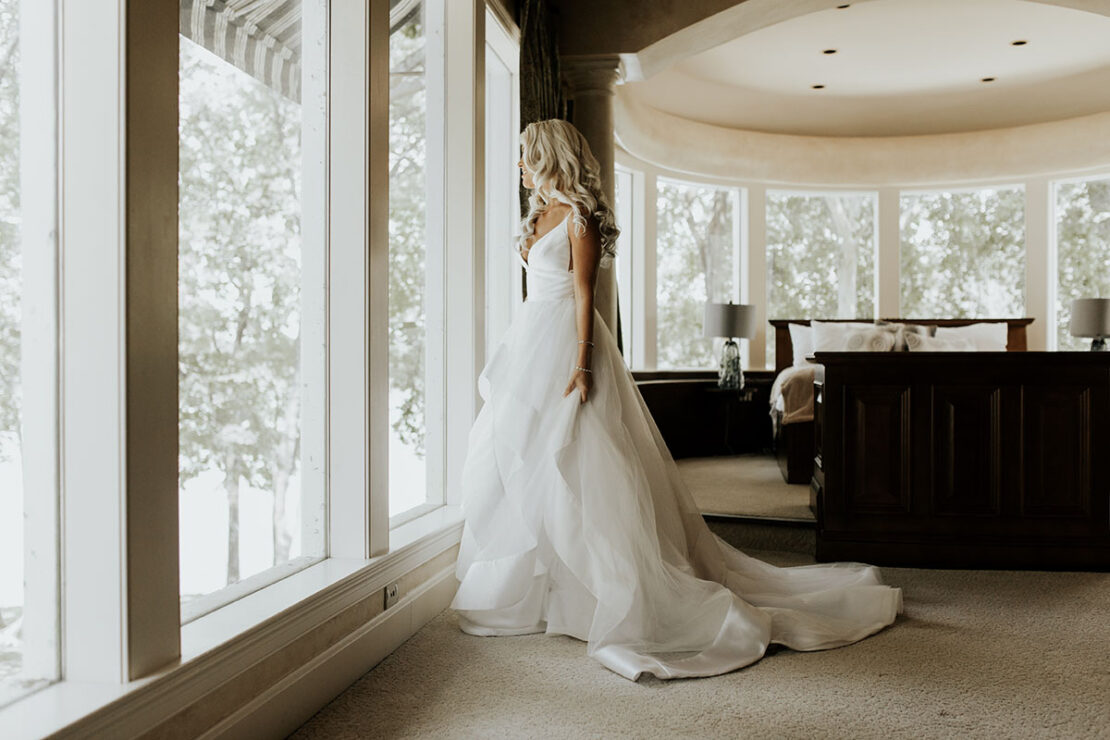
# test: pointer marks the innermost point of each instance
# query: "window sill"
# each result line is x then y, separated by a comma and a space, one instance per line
219, 645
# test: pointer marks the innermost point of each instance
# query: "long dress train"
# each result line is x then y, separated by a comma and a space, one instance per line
578, 523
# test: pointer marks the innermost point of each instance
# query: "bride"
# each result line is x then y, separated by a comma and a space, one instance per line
577, 521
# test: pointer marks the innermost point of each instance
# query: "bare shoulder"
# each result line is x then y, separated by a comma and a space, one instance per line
592, 233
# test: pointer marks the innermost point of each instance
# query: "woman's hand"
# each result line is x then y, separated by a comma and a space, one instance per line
582, 381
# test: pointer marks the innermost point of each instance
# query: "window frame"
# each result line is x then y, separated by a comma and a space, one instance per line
736, 199
1040, 249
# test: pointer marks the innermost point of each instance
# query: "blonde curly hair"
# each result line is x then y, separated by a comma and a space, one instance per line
564, 170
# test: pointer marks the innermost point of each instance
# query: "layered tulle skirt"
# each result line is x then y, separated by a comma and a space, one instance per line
578, 523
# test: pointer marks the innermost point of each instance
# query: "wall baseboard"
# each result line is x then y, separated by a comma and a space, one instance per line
288, 704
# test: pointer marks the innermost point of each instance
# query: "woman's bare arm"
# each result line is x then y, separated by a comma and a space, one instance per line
585, 252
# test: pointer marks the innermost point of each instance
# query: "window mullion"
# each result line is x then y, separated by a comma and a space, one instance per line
1040, 273
358, 321
118, 293
888, 269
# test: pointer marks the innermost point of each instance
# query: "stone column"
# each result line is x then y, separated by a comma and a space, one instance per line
591, 79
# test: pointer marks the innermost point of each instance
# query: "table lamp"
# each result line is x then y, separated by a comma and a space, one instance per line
1090, 317
729, 320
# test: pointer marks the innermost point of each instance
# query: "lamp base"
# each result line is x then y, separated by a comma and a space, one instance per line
729, 374
1098, 344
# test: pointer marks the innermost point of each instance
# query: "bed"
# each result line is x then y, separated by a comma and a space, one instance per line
792, 393
963, 460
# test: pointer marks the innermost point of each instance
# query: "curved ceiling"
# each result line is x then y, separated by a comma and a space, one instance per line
900, 67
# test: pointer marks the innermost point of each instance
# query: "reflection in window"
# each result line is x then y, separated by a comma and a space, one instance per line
250, 498
696, 260
1082, 251
963, 254
820, 257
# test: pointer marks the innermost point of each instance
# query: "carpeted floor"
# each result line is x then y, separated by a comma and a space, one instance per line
744, 485
977, 654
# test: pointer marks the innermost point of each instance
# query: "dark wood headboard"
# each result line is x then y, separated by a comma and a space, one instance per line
784, 348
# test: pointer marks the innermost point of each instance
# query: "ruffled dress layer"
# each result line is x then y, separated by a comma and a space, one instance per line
578, 523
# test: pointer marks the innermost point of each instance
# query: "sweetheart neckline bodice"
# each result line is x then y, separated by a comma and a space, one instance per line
539, 239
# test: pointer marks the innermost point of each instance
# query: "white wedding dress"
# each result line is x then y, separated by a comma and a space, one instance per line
578, 523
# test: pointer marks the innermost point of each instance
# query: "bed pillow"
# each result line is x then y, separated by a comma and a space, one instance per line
875, 339
830, 336
801, 339
922, 343
985, 337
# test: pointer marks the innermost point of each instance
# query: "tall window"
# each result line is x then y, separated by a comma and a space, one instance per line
28, 491
416, 293
251, 257
963, 253
1082, 251
820, 257
697, 259
503, 285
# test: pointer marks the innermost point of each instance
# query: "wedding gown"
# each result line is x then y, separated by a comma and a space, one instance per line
578, 523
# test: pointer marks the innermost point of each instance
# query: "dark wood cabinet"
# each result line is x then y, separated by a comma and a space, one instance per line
964, 460
697, 419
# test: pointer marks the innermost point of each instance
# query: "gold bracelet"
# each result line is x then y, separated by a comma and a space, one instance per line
584, 369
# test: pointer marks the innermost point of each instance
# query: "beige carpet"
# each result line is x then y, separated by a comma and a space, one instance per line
977, 655
745, 485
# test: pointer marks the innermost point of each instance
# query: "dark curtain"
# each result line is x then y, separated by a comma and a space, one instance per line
541, 88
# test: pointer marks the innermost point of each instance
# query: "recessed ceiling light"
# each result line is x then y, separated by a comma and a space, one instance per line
818, 87
987, 79
1018, 43
829, 51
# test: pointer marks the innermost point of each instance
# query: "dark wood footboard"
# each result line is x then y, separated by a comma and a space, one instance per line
965, 459
794, 450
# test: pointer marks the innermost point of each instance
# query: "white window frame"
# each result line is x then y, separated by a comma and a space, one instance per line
736, 198
117, 290
503, 297
1050, 262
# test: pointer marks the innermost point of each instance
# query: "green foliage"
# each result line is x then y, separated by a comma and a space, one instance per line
11, 247
694, 263
963, 254
1083, 249
407, 231
820, 258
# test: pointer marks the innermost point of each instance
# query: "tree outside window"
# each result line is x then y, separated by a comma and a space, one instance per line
820, 257
696, 258
963, 254
1082, 251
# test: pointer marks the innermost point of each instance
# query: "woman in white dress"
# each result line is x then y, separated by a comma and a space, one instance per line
577, 521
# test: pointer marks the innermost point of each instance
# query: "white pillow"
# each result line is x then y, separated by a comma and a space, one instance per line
923, 343
984, 337
870, 340
830, 336
801, 339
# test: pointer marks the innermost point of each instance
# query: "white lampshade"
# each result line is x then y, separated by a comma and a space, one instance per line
1090, 317
729, 320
